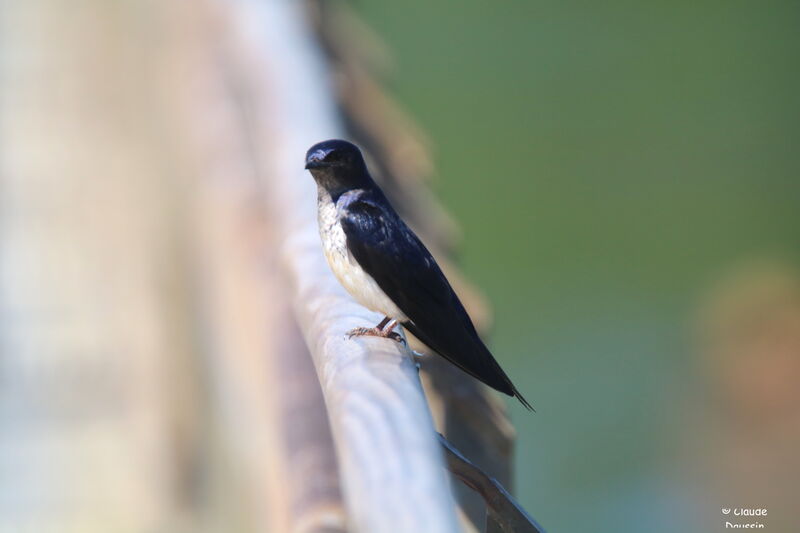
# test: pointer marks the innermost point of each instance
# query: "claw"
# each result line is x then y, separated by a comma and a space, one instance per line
396, 337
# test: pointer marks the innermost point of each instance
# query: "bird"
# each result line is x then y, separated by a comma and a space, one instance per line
386, 268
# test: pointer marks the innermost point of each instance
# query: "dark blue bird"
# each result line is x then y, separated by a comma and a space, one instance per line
386, 268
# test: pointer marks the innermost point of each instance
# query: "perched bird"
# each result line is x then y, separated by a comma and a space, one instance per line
386, 268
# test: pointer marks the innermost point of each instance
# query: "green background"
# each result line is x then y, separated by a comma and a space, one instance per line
608, 163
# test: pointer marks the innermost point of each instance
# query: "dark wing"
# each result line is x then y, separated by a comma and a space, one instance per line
405, 270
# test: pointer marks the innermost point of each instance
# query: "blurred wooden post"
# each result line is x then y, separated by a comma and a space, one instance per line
94, 353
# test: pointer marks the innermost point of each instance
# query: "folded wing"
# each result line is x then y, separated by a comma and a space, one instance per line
405, 270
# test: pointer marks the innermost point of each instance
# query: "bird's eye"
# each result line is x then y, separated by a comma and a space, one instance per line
333, 156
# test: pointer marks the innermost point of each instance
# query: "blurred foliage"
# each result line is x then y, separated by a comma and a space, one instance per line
608, 163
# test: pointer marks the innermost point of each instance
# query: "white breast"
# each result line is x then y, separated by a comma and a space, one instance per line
353, 278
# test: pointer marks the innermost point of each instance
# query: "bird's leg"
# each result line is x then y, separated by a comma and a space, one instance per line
383, 329
389, 333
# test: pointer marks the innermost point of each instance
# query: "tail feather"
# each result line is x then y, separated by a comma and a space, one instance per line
522, 400
480, 364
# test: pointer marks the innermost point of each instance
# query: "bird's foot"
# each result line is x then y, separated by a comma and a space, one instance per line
381, 330
365, 332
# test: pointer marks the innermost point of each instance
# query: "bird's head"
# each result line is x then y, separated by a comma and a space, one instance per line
337, 165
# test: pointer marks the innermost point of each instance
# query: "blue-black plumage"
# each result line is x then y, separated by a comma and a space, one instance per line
386, 268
